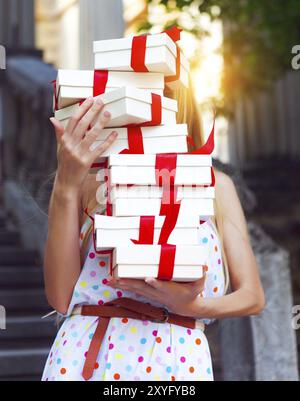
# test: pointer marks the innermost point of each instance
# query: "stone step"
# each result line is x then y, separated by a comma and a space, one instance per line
24, 327
21, 276
9, 238
24, 300
16, 256
23, 362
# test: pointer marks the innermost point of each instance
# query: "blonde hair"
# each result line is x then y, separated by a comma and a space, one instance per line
188, 113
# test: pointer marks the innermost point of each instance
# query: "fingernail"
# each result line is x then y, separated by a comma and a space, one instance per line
90, 99
107, 114
115, 134
99, 101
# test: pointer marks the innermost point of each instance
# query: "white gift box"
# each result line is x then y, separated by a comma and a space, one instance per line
201, 208
154, 192
158, 139
127, 106
146, 200
141, 261
74, 85
140, 169
112, 232
161, 53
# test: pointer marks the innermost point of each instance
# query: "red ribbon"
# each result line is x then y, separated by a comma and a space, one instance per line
165, 170
138, 53
166, 262
209, 145
156, 111
169, 223
100, 82
207, 149
107, 183
174, 33
135, 141
54, 83
146, 231
175, 77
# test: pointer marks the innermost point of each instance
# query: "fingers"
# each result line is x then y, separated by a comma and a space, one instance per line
93, 134
132, 283
82, 110
198, 286
99, 150
193, 288
58, 127
157, 284
137, 286
92, 114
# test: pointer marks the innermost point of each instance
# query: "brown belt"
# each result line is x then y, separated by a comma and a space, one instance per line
124, 307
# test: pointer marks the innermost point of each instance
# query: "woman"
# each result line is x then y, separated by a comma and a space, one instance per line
134, 349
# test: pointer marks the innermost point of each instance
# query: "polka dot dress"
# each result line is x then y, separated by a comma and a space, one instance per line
132, 350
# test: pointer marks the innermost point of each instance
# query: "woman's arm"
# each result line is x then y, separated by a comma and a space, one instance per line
62, 252
247, 297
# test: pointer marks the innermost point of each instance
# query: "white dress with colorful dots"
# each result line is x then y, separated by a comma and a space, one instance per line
132, 350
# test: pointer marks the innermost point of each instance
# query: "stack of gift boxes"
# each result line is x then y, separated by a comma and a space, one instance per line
156, 192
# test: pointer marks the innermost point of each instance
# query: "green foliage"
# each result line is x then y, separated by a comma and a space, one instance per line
258, 38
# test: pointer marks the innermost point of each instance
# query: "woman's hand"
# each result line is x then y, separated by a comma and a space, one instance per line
75, 157
179, 298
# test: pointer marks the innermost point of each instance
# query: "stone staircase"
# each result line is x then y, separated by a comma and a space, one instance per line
25, 343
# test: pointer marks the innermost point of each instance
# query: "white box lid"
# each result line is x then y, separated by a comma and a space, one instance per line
154, 191
157, 131
161, 39
149, 160
75, 78
81, 78
150, 254
118, 94
116, 223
